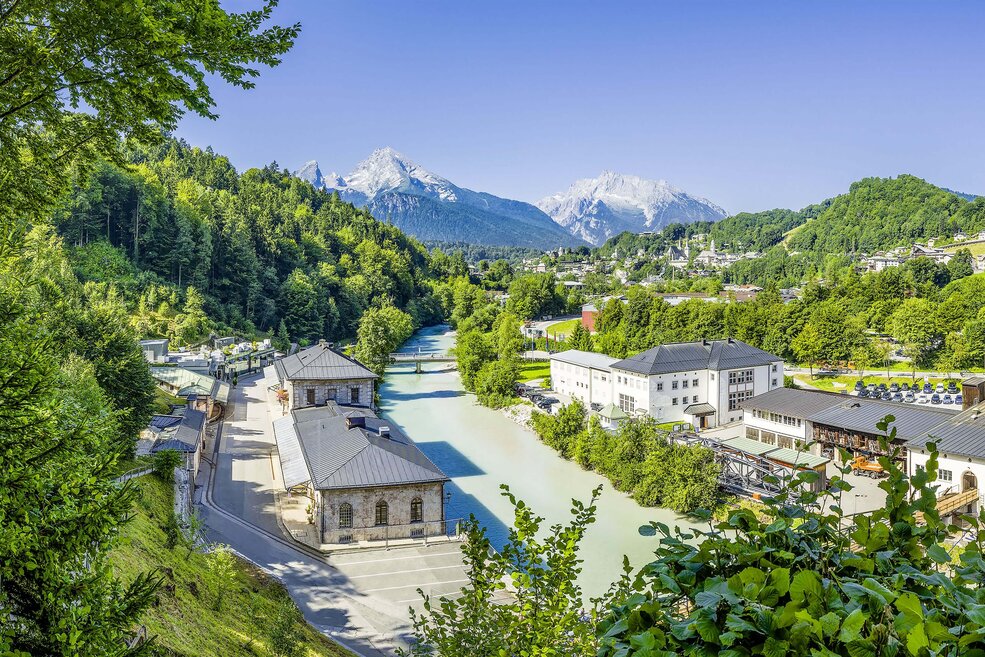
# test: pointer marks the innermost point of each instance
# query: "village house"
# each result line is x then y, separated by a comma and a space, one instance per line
320, 374
367, 481
201, 391
182, 431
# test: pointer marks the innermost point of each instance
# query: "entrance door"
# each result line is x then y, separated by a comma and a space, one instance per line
969, 481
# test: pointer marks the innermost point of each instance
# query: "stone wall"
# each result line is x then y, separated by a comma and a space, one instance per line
339, 390
363, 501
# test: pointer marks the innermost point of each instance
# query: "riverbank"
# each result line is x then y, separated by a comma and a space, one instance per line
481, 448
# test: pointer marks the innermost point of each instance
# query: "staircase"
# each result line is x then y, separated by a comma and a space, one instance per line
951, 502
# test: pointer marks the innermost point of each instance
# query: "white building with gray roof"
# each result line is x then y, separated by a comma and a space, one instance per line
320, 374
703, 382
366, 479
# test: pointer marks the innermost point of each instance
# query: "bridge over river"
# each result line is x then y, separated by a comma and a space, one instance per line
420, 357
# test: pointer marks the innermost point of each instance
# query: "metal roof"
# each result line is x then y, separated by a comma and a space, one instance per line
182, 433
186, 382
613, 412
704, 408
585, 359
293, 466
320, 447
962, 434
791, 457
860, 414
794, 402
974, 381
321, 363
702, 355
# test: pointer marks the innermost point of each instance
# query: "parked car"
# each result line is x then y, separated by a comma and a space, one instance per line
927, 388
940, 389
958, 399
935, 398
521, 389
894, 387
909, 397
905, 387
859, 385
882, 387
536, 397
952, 389
948, 399
922, 399
887, 396
863, 393
897, 396
595, 406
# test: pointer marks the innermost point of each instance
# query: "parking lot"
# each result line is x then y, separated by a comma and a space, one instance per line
936, 395
395, 575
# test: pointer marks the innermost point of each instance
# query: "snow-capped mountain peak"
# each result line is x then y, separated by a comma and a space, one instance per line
595, 209
386, 170
397, 190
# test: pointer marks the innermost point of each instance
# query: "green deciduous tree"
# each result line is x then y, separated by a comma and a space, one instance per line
381, 331
472, 350
541, 614
494, 384
807, 346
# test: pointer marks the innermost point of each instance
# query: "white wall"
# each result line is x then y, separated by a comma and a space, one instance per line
589, 384
957, 465
791, 431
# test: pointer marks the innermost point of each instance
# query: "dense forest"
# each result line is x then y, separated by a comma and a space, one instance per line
192, 245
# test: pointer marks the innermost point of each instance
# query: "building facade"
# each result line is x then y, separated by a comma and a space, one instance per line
320, 374
366, 481
702, 382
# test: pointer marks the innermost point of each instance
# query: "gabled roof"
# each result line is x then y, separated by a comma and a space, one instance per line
689, 356
962, 434
613, 412
912, 420
317, 445
178, 432
321, 363
795, 402
186, 382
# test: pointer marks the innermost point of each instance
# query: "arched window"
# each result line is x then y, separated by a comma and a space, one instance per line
416, 510
345, 516
382, 513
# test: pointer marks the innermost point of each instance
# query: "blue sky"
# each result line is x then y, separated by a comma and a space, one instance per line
753, 105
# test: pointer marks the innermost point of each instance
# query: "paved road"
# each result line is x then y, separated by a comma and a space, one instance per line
360, 598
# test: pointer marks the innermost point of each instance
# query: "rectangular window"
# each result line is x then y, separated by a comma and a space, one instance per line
774, 367
660, 386
774, 383
712, 376
944, 475
354, 395
674, 401
694, 383
332, 394
694, 400
741, 376
735, 399
310, 396
673, 385
684, 383
627, 404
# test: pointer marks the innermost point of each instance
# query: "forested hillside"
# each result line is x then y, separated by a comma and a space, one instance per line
880, 213
875, 214
192, 246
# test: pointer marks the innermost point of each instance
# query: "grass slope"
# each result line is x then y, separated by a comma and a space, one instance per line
184, 619
562, 329
534, 369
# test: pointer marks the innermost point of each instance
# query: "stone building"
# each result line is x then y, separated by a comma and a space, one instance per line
320, 374
366, 480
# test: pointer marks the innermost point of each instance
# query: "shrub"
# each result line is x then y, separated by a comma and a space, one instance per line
165, 461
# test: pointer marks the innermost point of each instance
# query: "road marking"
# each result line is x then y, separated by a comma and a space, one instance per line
415, 586
433, 595
419, 556
401, 572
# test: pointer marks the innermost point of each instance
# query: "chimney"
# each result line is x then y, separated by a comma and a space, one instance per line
704, 342
322, 343
353, 421
384, 431
731, 340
